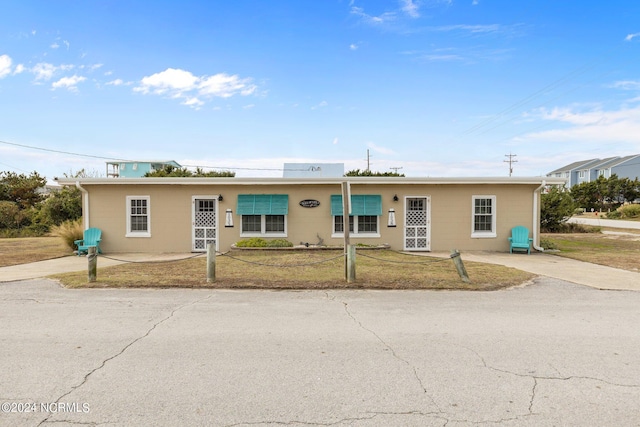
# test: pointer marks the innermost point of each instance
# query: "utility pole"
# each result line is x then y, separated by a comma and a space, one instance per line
395, 169
368, 161
511, 161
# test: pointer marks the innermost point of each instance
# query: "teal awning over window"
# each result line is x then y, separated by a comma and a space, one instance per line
361, 204
263, 204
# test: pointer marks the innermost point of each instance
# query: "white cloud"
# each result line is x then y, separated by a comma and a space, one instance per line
181, 84
225, 86
353, 46
631, 36
193, 102
5, 65
474, 29
322, 104
594, 126
370, 19
91, 67
69, 83
19, 69
626, 85
45, 71
54, 45
410, 8
381, 150
474, 2
116, 82
335, 141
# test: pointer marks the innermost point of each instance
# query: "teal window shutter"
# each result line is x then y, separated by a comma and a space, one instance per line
279, 204
246, 204
373, 205
336, 205
263, 204
361, 204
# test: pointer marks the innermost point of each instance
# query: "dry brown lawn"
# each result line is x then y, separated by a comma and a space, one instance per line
620, 249
29, 249
383, 269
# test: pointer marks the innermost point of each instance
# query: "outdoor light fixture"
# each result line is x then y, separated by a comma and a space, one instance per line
395, 197
220, 198
228, 219
392, 218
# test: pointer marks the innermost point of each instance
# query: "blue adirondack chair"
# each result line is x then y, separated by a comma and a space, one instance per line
520, 239
92, 237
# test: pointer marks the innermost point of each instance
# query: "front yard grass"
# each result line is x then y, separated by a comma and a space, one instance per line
21, 250
383, 269
614, 250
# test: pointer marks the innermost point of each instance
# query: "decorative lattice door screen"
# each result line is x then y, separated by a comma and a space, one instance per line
416, 229
204, 224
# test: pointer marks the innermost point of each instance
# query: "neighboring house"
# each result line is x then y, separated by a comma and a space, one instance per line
136, 169
589, 170
313, 170
413, 214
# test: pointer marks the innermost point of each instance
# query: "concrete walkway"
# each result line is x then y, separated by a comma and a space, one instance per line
612, 223
69, 264
543, 264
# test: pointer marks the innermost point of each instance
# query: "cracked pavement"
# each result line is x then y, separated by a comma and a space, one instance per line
551, 353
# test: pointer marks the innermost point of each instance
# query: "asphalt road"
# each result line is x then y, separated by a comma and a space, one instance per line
547, 354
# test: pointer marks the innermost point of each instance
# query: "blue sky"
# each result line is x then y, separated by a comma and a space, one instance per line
436, 87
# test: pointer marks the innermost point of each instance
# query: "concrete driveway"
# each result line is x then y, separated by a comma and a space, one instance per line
548, 354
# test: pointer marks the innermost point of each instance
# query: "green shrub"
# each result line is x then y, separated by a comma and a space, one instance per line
254, 242
279, 243
548, 244
617, 214
257, 242
630, 211
69, 231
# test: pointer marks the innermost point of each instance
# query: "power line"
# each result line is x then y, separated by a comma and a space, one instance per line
50, 150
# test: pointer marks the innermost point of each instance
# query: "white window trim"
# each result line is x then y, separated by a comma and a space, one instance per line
130, 233
263, 223
355, 233
494, 213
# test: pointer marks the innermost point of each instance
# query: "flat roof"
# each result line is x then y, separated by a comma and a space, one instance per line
316, 181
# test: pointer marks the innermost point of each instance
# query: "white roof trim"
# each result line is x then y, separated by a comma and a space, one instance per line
315, 181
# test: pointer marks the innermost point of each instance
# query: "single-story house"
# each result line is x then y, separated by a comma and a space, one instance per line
413, 214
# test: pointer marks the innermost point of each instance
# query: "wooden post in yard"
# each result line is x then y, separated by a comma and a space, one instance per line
457, 261
351, 264
92, 261
346, 210
211, 263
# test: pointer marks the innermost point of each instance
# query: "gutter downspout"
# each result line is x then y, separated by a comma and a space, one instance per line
85, 205
536, 219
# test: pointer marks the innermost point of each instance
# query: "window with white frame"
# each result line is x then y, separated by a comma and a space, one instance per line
364, 220
138, 216
582, 174
483, 221
263, 214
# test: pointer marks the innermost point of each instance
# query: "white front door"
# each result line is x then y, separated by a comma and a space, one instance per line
417, 222
205, 222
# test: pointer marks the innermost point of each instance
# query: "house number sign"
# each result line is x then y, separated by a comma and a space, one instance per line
309, 203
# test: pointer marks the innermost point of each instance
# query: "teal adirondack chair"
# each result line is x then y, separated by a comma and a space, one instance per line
520, 239
92, 237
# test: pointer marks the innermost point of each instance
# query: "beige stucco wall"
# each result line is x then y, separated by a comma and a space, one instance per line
171, 214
